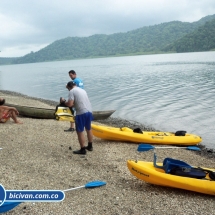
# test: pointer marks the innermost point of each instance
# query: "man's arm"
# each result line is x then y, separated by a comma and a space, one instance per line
69, 103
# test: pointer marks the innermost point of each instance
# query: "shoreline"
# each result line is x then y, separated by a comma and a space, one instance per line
114, 122
37, 155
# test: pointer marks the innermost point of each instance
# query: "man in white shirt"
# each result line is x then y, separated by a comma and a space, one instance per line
79, 99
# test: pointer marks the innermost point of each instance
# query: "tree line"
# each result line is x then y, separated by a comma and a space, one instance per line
172, 36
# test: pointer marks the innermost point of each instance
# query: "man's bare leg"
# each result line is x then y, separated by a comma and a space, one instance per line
72, 125
81, 139
89, 135
90, 140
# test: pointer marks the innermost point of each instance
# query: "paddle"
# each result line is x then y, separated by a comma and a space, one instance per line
147, 147
91, 184
7, 206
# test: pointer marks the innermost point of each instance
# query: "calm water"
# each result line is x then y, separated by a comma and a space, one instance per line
168, 92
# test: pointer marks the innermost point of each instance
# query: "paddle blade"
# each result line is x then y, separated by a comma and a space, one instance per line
7, 206
144, 147
93, 184
193, 148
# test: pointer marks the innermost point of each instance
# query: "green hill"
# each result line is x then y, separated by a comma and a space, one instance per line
202, 39
172, 36
145, 40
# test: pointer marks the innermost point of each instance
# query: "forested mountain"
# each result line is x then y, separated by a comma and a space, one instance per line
172, 36
202, 39
144, 40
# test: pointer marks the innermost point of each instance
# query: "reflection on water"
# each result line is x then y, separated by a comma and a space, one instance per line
169, 92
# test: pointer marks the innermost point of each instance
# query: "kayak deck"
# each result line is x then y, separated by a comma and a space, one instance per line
147, 172
153, 137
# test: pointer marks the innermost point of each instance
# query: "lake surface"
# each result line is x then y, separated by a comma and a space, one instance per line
169, 92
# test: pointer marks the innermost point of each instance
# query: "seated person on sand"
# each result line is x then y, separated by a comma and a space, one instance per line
8, 112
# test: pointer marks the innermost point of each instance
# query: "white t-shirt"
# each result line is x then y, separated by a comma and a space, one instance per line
81, 101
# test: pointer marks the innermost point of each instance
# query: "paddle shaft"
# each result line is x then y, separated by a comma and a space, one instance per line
147, 147
75, 188
169, 147
91, 184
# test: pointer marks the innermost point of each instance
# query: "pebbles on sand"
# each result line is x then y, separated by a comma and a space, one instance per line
37, 155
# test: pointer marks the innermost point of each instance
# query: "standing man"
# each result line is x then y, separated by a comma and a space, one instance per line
79, 99
79, 83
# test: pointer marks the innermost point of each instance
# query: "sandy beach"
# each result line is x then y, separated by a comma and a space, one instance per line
36, 155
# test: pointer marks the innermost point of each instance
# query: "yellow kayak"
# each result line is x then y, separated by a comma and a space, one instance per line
148, 173
128, 135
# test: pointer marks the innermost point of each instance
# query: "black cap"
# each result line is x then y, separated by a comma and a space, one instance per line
73, 72
71, 84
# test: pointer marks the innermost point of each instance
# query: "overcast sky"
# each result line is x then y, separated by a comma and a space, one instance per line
29, 25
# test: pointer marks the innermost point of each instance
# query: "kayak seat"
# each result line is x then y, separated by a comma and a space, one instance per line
188, 172
138, 130
179, 168
180, 133
169, 163
211, 174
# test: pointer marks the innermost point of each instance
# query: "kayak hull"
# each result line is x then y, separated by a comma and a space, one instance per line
127, 135
49, 113
148, 173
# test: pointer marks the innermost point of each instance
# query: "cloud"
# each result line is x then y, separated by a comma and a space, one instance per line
27, 25
18, 51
